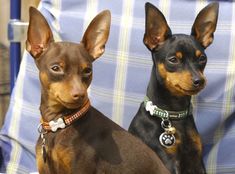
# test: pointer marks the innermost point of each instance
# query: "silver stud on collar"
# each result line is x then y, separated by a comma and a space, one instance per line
57, 124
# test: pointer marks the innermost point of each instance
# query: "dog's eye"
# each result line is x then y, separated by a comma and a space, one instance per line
87, 72
173, 60
56, 68
202, 59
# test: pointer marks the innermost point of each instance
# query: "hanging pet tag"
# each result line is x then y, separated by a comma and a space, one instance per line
44, 153
167, 140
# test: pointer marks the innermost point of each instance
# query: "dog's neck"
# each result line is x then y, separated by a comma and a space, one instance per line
162, 97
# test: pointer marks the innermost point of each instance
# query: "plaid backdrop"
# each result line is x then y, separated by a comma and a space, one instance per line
121, 76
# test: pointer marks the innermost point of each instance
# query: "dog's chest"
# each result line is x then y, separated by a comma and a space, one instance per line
65, 152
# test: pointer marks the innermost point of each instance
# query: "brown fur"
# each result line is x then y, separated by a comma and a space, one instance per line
93, 143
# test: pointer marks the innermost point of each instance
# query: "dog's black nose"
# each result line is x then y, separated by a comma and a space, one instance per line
197, 82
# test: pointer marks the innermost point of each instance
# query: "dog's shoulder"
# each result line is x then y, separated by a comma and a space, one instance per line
141, 122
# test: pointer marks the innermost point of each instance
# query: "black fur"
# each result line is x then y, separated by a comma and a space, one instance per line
181, 59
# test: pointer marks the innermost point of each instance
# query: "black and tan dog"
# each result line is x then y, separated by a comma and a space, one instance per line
164, 120
75, 137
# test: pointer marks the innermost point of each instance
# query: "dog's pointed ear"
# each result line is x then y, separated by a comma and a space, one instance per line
205, 24
97, 33
156, 27
39, 33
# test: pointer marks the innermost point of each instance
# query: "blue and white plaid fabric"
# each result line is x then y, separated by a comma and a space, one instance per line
121, 76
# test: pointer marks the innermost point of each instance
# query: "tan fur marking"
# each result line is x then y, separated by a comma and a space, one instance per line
62, 157
61, 90
162, 70
196, 140
84, 65
60, 95
179, 54
198, 53
62, 64
173, 150
178, 83
44, 79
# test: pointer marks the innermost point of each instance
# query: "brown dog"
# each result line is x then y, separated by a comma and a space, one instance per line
75, 137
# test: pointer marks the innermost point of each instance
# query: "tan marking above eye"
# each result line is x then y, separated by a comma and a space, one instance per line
179, 54
198, 53
62, 64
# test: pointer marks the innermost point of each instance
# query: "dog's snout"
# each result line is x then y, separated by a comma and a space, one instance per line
197, 82
198, 79
77, 94
77, 89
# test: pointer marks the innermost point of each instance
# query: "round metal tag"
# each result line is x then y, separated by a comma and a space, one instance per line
167, 140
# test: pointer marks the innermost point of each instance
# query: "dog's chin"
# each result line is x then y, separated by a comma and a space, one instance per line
187, 92
180, 90
71, 104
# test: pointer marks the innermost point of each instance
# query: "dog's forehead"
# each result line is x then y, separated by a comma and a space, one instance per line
185, 43
72, 53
